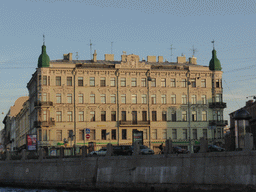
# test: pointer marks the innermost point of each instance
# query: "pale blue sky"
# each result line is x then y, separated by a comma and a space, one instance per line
138, 27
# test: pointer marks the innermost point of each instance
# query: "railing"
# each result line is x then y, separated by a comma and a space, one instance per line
39, 124
134, 123
43, 103
218, 123
217, 105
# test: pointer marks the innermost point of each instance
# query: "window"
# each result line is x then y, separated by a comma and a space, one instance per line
80, 81
123, 115
204, 117
58, 81
123, 98
59, 135
92, 98
174, 133
184, 115
80, 98
123, 82
163, 82
145, 134
153, 82
44, 97
113, 116
219, 116
44, 80
103, 115
134, 82
113, 134
92, 82
173, 116
144, 115
113, 98
164, 116
70, 118
103, 98
193, 82
203, 83
112, 81
40, 135
103, 82
173, 99
69, 81
153, 99
183, 83
154, 116
185, 134
81, 135
143, 99
173, 83
80, 116
39, 97
218, 133
44, 135
184, 99
154, 134
194, 133
69, 97
44, 115
124, 134
143, 82
58, 116
103, 134
193, 99
134, 98
92, 116
218, 98
194, 116
164, 134
134, 117
48, 80
92, 134
205, 133
40, 79
217, 83
163, 99
203, 97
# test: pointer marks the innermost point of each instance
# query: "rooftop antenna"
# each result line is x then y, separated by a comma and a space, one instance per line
112, 47
213, 44
171, 51
91, 49
77, 56
194, 50
43, 39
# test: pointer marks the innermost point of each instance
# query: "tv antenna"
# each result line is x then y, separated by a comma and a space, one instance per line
194, 50
77, 56
171, 51
90, 48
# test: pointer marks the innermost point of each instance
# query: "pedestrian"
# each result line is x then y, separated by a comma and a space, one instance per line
161, 148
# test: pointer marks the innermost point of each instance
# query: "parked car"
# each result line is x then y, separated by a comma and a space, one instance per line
122, 150
144, 150
215, 148
179, 150
100, 152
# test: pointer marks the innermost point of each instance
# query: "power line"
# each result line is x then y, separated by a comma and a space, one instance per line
232, 94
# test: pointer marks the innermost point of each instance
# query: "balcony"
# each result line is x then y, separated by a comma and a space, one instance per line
43, 103
39, 124
218, 123
138, 123
218, 105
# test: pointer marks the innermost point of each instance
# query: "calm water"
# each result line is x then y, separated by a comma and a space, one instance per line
12, 189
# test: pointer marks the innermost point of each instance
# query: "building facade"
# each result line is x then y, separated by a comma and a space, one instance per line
178, 100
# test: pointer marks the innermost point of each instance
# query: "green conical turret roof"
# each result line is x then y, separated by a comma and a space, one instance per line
44, 59
214, 63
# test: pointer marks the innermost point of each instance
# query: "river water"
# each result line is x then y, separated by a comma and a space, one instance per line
13, 189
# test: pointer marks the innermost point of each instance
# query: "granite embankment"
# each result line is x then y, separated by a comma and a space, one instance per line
208, 171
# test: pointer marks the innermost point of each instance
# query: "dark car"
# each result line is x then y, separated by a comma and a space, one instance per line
215, 148
179, 150
122, 150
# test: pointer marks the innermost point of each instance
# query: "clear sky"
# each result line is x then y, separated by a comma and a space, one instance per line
144, 28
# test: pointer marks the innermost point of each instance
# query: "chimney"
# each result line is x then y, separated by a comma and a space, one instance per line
181, 59
160, 59
151, 58
124, 56
67, 56
109, 57
94, 56
192, 60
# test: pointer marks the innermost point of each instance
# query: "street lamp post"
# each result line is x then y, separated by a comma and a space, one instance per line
148, 79
189, 121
